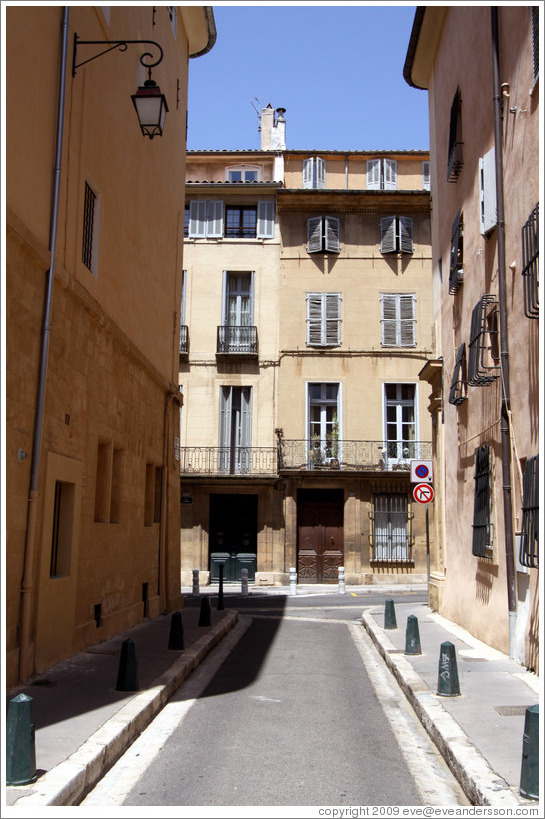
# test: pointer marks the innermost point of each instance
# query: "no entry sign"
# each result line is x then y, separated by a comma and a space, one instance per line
421, 471
423, 492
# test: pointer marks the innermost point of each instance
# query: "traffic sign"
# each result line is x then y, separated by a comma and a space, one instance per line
421, 471
423, 492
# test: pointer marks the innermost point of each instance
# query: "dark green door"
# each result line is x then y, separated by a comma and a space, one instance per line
233, 536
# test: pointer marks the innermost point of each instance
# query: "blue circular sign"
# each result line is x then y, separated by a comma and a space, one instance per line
422, 471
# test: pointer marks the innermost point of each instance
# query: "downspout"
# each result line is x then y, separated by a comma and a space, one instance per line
27, 583
504, 345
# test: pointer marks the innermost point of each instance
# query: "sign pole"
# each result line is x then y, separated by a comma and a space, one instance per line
428, 548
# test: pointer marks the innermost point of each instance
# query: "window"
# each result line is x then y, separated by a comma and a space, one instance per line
109, 483
323, 234
116, 493
390, 535
184, 330
426, 180
487, 189
535, 43
235, 433
157, 494
205, 219
458, 385
529, 536
530, 252
148, 494
323, 423
243, 173
63, 519
483, 342
482, 526
455, 158
237, 333
398, 319
314, 172
89, 253
382, 174
456, 274
400, 422
396, 234
323, 319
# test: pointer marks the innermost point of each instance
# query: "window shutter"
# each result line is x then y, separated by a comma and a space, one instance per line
307, 172
390, 174
214, 228
314, 319
320, 172
529, 534
426, 180
265, 219
406, 320
389, 320
314, 234
197, 219
332, 319
387, 234
332, 234
373, 174
406, 234
481, 504
487, 190
458, 384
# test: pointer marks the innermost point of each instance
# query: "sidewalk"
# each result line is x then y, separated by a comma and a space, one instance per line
480, 732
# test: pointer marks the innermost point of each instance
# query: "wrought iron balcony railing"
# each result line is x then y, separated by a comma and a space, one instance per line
243, 460
184, 339
350, 456
237, 340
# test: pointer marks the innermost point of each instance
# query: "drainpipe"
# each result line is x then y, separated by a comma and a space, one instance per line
504, 346
27, 583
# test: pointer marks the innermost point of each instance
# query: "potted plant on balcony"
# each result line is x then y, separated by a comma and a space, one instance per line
333, 444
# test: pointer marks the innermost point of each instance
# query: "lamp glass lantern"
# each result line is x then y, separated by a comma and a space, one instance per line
151, 108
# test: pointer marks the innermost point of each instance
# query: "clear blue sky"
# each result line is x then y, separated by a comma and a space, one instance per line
336, 69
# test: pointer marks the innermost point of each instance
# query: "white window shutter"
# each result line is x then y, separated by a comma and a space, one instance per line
373, 174
332, 319
314, 319
406, 320
214, 212
265, 219
426, 179
332, 234
390, 174
487, 186
197, 219
314, 234
308, 165
406, 234
320, 172
388, 234
389, 320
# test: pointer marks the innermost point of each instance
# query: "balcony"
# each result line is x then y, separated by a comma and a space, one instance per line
237, 461
237, 340
184, 340
350, 456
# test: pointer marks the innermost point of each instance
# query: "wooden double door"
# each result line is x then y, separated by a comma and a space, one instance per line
320, 535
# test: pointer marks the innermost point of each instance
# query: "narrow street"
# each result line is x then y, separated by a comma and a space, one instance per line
293, 708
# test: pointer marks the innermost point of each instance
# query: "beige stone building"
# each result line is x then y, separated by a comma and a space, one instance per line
94, 219
307, 319
480, 66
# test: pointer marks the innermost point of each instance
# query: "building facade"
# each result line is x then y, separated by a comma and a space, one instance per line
94, 243
480, 66
307, 318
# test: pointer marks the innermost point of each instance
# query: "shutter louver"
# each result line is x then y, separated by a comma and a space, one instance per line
320, 172
390, 174
265, 219
332, 234
389, 320
387, 234
426, 179
214, 227
406, 313
373, 174
314, 234
487, 185
332, 319
307, 172
481, 506
197, 219
314, 319
406, 234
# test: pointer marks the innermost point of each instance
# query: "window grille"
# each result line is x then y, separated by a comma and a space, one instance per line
482, 528
529, 537
535, 43
391, 535
483, 339
88, 227
458, 385
456, 275
455, 158
530, 252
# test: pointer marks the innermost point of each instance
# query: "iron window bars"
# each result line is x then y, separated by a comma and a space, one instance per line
458, 385
455, 158
483, 338
529, 536
456, 274
391, 529
88, 227
482, 528
530, 252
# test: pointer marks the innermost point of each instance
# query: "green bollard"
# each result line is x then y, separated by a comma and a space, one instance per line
412, 636
127, 675
529, 773
448, 684
176, 636
204, 614
390, 621
220, 605
20, 741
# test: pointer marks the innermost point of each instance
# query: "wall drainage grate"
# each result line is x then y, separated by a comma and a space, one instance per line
511, 710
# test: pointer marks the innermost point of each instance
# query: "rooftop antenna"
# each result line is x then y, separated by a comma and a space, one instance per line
257, 110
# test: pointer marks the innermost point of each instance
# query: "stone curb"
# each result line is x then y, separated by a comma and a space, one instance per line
481, 784
69, 781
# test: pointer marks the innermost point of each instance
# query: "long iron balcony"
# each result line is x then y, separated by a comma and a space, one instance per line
303, 455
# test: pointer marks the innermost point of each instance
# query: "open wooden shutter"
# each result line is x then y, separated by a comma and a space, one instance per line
308, 165
197, 219
487, 188
265, 219
314, 319
332, 234
373, 174
426, 178
406, 320
389, 319
214, 228
388, 234
314, 234
390, 174
481, 506
332, 319
320, 172
406, 234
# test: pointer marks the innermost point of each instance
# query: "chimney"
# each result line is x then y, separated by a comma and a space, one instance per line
273, 129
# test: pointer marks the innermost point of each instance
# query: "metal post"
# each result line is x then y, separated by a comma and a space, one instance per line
293, 580
195, 582
244, 582
341, 580
428, 548
220, 590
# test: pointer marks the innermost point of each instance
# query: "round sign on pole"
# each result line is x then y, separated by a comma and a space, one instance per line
423, 493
